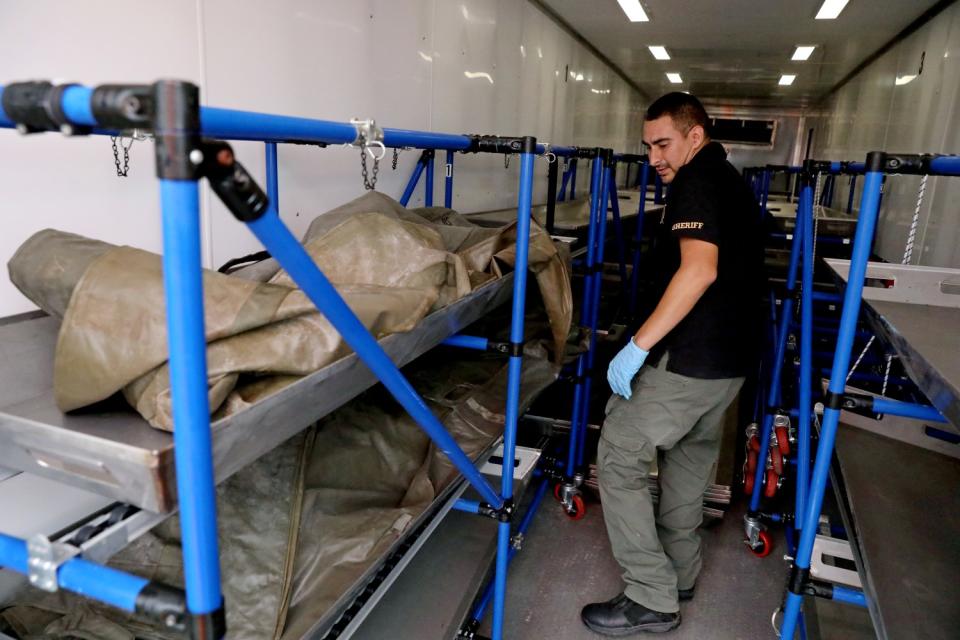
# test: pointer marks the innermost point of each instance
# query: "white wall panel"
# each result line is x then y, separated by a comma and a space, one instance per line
435, 65
874, 112
71, 184
329, 60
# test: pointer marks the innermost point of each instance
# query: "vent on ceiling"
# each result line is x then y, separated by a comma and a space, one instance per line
740, 131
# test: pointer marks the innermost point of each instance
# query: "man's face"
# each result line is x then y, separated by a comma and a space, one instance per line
668, 147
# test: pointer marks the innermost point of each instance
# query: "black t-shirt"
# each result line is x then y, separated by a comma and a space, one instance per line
721, 336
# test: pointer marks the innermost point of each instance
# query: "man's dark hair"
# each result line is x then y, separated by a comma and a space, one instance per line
684, 109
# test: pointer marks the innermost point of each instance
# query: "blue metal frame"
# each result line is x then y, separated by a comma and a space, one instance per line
193, 451
875, 164
448, 181
637, 239
187, 345
579, 399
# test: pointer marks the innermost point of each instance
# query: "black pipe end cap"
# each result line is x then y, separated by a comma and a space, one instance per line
876, 161
529, 144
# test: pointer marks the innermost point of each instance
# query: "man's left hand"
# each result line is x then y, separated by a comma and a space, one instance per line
624, 366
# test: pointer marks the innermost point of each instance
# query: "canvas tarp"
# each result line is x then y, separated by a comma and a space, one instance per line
391, 265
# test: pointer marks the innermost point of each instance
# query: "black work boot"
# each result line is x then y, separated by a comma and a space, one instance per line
622, 616
685, 595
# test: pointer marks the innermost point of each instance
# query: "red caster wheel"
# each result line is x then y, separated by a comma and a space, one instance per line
577, 508
770, 487
556, 492
776, 461
765, 547
748, 484
783, 440
751, 466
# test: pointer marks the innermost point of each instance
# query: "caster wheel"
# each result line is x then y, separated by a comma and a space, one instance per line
776, 461
751, 466
770, 486
556, 492
748, 484
578, 509
783, 440
765, 546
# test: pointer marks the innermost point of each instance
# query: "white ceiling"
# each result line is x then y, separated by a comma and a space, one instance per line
736, 50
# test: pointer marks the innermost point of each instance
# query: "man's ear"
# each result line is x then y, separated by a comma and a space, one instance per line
697, 135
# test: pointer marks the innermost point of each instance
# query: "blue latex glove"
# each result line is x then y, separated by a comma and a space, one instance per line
624, 366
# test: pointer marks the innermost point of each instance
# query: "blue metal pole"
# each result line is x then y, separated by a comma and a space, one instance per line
853, 190
481, 607
467, 342
448, 184
81, 576
428, 194
412, 182
638, 237
278, 240
805, 217
594, 316
469, 506
945, 166
765, 193
618, 230
273, 185
907, 410
869, 206
514, 371
193, 453
564, 179
596, 188
849, 596
773, 394
573, 180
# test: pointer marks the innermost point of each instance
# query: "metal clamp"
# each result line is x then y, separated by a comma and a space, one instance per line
548, 155
369, 135
44, 558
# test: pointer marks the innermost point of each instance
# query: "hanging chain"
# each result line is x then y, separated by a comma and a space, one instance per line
396, 156
121, 172
912, 235
369, 181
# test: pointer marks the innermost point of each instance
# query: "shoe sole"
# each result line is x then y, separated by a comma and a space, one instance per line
658, 627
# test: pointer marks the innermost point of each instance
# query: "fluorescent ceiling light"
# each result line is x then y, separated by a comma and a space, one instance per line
674, 78
901, 80
660, 53
831, 9
803, 52
787, 79
634, 11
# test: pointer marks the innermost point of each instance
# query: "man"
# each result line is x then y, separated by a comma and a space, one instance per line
701, 339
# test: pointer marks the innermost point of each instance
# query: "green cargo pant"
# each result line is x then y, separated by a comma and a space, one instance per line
676, 421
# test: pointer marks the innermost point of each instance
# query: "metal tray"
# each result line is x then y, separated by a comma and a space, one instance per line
917, 311
111, 450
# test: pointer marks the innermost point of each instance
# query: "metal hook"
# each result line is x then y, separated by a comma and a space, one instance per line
379, 145
550, 156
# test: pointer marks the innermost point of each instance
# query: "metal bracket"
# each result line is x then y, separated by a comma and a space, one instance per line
826, 547
751, 529
44, 558
368, 135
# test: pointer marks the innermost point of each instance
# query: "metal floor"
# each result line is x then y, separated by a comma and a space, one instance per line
565, 565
